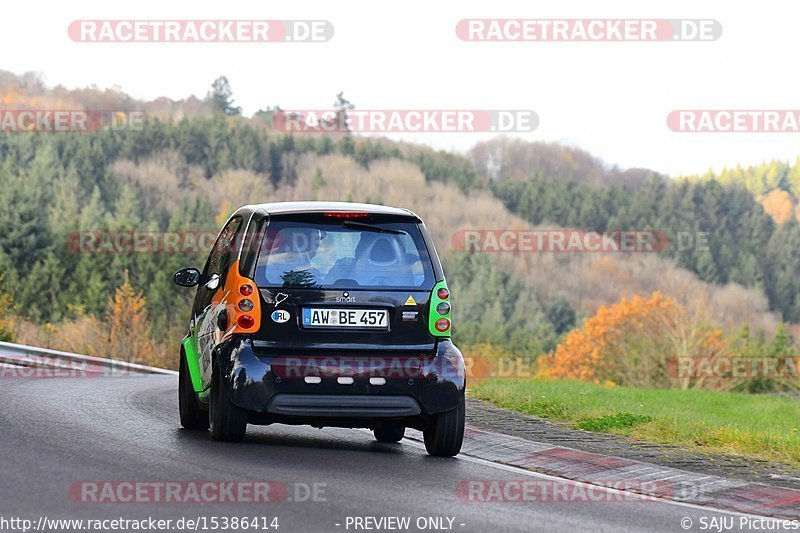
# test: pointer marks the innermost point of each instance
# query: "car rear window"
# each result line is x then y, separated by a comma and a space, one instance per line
344, 255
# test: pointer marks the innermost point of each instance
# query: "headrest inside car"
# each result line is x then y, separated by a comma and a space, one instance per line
382, 251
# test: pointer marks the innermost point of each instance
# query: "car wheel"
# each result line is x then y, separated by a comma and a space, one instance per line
192, 416
445, 432
389, 433
228, 421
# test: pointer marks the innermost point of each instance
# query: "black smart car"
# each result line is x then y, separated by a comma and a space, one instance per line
323, 313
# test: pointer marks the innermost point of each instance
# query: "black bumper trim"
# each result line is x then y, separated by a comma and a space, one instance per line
343, 405
285, 348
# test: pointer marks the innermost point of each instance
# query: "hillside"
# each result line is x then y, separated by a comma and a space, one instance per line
509, 159
190, 167
776, 184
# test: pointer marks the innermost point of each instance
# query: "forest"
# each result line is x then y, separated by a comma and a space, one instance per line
197, 159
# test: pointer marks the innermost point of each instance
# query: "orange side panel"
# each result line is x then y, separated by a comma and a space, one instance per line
229, 297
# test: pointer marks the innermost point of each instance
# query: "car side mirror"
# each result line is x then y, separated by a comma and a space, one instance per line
187, 277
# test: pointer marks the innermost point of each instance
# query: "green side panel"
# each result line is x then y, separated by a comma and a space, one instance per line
433, 316
193, 361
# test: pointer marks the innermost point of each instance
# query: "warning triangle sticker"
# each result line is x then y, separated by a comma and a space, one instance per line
410, 300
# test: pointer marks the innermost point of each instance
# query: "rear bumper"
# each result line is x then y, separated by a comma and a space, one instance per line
343, 406
407, 384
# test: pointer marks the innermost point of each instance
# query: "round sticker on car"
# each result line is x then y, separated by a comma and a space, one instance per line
280, 316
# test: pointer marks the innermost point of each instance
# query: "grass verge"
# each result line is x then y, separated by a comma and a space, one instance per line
754, 425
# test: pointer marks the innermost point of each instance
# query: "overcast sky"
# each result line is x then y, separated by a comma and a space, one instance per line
611, 99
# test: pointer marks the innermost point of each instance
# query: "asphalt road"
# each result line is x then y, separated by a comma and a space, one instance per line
56, 433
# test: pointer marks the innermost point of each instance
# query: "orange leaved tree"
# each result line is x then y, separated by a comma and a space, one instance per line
778, 204
128, 327
634, 342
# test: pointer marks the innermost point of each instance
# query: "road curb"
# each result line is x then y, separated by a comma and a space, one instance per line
605, 470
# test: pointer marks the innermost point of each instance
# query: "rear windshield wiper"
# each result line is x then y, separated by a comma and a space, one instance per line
370, 227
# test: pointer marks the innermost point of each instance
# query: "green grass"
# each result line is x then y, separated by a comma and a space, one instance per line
754, 425
611, 422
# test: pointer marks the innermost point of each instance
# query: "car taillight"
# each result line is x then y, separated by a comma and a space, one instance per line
246, 305
443, 294
246, 321
246, 290
442, 325
443, 308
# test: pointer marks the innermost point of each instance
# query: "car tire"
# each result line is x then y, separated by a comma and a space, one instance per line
389, 433
444, 434
192, 416
228, 421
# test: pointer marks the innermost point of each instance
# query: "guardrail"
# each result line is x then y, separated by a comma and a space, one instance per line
20, 355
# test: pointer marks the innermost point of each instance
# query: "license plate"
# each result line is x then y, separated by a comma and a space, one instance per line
345, 318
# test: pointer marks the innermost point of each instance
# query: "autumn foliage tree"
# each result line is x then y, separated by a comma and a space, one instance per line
127, 326
6, 317
633, 342
778, 204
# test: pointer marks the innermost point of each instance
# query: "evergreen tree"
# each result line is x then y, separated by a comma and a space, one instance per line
221, 97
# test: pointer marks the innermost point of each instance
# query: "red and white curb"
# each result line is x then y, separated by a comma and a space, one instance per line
604, 470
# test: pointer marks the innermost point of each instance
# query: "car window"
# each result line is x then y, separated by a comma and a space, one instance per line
334, 255
219, 258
